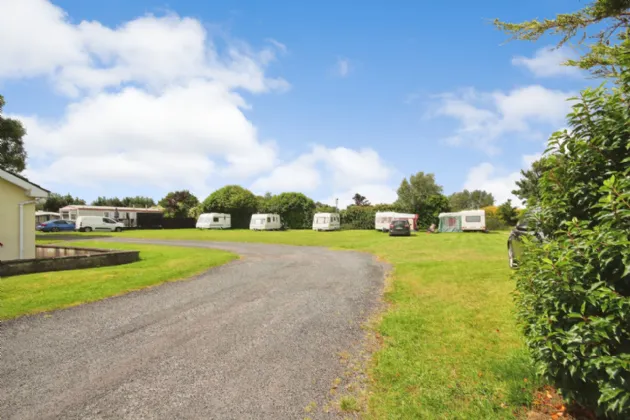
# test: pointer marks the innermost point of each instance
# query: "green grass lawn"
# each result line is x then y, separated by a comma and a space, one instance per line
33, 293
451, 348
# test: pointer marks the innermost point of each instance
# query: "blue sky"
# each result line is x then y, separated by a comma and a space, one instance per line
139, 98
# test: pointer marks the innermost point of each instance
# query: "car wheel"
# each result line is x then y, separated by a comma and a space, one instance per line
511, 260
118, 229
87, 229
55, 229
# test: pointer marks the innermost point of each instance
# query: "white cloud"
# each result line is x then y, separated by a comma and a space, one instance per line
547, 62
342, 67
375, 193
153, 101
498, 181
339, 168
489, 178
486, 118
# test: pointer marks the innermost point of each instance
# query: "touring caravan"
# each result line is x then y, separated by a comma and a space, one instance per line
265, 222
382, 220
326, 221
214, 221
463, 221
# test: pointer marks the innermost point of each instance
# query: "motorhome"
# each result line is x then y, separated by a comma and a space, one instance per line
326, 221
214, 221
265, 222
382, 220
463, 221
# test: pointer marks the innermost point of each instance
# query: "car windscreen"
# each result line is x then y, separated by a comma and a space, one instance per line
400, 223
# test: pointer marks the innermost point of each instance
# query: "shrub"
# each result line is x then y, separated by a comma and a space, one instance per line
239, 202
295, 209
573, 288
358, 217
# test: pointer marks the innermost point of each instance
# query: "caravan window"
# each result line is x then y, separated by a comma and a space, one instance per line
268, 219
73, 216
215, 219
473, 219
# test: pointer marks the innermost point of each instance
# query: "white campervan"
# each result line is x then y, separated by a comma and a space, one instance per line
326, 221
265, 222
473, 220
382, 220
97, 223
214, 221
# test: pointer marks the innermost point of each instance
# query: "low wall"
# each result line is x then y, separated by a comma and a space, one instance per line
58, 258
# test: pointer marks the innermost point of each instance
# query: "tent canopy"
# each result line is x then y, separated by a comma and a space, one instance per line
450, 222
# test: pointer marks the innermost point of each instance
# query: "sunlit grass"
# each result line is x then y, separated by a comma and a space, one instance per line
33, 293
451, 347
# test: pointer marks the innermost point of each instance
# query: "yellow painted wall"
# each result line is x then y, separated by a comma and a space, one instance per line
10, 196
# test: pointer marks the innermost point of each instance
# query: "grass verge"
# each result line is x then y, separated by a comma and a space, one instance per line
34, 293
451, 348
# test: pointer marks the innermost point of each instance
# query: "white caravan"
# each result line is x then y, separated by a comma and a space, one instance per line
383, 219
214, 221
473, 220
265, 222
326, 221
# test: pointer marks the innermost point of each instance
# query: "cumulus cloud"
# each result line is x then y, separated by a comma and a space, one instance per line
492, 178
152, 101
548, 62
340, 169
486, 118
488, 177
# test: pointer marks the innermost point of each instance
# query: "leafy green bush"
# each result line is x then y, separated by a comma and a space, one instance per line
295, 209
239, 202
358, 217
573, 287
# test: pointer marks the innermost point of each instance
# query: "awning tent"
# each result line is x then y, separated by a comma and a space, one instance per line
450, 222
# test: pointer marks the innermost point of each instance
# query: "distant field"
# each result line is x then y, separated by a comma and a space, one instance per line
451, 347
33, 293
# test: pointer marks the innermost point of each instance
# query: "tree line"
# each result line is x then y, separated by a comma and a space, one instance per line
418, 194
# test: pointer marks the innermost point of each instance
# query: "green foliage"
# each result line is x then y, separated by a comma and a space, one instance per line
295, 209
56, 201
239, 202
178, 204
574, 287
528, 186
493, 223
470, 200
360, 200
422, 196
358, 217
324, 208
597, 26
12, 152
140, 202
508, 213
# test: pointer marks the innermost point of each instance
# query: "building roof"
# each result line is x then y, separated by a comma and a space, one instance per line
110, 208
32, 190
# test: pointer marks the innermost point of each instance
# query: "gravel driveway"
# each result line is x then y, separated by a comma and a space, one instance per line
257, 338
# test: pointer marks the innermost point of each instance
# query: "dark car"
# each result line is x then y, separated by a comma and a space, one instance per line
400, 227
55, 226
524, 228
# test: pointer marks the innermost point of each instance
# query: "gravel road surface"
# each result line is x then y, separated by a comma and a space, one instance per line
257, 338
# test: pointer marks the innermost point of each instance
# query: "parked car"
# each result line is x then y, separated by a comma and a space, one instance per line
515, 241
98, 223
55, 226
400, 227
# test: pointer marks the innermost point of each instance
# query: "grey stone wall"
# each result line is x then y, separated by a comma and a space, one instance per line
67, 258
